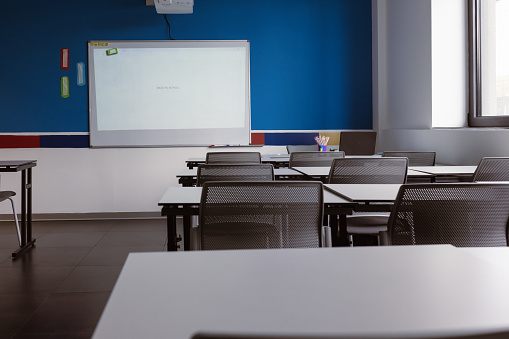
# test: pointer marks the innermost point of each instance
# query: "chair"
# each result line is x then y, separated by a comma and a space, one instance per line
255, 215
417, 158
492, 169
460, 214
235, 172
368, 171
233, 158
302, 148
357, 142
4, 195
313, 159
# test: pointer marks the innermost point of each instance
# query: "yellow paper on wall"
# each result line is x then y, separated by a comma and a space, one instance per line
333, 138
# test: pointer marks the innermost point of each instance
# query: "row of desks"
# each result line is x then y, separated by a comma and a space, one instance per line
339, 201
188, 176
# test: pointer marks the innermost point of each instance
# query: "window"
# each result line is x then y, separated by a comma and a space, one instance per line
489, 62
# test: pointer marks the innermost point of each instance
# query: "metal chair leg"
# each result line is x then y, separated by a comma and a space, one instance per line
16, 220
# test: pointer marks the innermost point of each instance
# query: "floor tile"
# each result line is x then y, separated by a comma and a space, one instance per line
150, 238
68, 313
59, 287
139, 225
49, 257
81, 226
15, 309
9, 241
31, 280
80, 335
90, 279
70, 239
114, 255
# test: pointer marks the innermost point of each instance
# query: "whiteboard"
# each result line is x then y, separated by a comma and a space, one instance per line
169, 93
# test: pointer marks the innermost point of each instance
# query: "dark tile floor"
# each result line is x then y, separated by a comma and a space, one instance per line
59, 288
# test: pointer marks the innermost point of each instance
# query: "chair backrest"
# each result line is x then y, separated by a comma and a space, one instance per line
302, 148
461, 214
314, 159
417, 158
235, 172
233, 158
492, 169
252, 215
357, 142
368, 171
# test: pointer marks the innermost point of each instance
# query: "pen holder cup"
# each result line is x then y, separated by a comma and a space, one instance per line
323, 148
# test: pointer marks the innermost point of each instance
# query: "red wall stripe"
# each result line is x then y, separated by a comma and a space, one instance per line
257, 138
19, 141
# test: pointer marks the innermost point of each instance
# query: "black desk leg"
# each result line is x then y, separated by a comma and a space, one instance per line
172, 232
29, 205
343, 234
23, 209
26, 213
187, 232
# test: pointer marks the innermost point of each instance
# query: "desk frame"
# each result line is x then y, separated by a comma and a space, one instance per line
25, 166
336, 213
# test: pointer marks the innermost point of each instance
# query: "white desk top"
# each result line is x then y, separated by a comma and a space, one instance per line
446, 170
192, 196
399, 290
192, 172
366, 192
324, 171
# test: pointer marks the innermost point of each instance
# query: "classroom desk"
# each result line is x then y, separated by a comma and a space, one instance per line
447, 171
322, 173
277, 160
185, 201
25, 167
189, 176
386, 291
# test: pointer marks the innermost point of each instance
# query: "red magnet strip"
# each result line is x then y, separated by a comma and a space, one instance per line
64, 58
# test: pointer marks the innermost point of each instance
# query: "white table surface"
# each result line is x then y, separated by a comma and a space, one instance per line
366, 192
192, 196
192, 172
393, 290
324, 171
445, 170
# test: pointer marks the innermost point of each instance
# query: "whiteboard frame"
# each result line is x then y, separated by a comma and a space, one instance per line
166, 137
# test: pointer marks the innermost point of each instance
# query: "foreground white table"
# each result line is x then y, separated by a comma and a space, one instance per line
370, 290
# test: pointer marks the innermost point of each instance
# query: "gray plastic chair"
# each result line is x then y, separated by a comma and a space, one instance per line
255, 215
368, 171
492, 169
313, 159
233, 158
235, 172
460, 214
415, 158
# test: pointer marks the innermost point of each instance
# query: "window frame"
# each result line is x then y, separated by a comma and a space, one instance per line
475, 119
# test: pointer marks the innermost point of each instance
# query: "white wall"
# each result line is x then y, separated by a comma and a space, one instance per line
449, 44
101, 180
408, 63
412, 97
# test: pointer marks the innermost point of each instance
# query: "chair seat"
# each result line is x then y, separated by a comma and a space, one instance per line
6, 195
367, 224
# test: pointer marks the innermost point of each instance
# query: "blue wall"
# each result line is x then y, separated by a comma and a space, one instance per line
310, 59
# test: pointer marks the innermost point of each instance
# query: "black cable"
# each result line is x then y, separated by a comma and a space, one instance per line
169, 27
